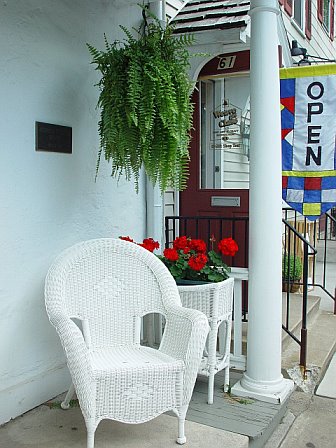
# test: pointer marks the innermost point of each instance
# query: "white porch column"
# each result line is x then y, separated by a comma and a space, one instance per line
263, 379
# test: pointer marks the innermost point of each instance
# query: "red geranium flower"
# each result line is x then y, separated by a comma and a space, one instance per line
180, 243
150, 244
228, 246
189, 259
171, 254
126, 238
198, 245
198, 262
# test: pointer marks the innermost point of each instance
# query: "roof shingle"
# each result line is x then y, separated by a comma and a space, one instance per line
202, 15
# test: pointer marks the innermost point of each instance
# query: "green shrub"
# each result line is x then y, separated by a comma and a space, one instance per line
291, 266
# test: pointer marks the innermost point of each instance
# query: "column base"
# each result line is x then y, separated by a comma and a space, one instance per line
263, 393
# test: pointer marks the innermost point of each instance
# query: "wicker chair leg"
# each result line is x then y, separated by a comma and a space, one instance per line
66, 402
227, 338
212, 359
182, 412
211, 383
226, 378
91, 429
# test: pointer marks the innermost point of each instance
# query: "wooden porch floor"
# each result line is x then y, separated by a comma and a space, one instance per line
252, 418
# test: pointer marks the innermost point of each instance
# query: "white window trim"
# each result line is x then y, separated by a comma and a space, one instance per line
298, 28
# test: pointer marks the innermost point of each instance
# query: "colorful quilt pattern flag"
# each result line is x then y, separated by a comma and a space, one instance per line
308, 127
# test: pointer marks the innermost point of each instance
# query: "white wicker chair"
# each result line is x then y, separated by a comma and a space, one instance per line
108, 285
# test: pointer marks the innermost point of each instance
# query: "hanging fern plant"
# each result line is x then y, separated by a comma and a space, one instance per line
146, 112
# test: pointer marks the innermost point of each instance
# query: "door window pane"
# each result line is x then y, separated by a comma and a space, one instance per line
224, 133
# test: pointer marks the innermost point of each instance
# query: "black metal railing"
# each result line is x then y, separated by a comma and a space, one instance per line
327, 249
327, 226
206, 227
295, 274
318, 234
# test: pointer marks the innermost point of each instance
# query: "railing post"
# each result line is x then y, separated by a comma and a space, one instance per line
166, 232
303, 350
325, 251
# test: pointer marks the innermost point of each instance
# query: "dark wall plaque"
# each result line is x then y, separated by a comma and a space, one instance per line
53, 138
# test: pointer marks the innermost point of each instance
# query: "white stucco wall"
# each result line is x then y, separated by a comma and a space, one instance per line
49, 201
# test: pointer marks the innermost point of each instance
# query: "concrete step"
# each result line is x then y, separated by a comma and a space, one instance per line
326, 250
321, 345
327, 387
294, 306
321, 326
295, 317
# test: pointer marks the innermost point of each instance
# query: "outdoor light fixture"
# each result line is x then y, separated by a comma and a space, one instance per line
296, 50
300, 51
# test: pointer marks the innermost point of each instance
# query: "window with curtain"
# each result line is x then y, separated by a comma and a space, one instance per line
298, 13
326, 14
301, 13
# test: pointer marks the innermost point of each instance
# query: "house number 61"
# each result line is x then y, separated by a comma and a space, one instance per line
226, 62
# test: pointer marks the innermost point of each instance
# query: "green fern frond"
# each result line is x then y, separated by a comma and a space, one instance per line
146, 113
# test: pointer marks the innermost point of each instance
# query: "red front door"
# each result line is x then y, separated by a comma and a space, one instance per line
219, 166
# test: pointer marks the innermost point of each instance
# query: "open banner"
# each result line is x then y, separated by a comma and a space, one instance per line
308, 127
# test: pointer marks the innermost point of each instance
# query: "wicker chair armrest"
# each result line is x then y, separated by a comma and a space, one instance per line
78, 359
79, 363
184, 338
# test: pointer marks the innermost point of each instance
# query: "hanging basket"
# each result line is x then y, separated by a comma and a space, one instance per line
146, 109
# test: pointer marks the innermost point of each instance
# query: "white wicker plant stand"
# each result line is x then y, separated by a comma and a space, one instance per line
215, 300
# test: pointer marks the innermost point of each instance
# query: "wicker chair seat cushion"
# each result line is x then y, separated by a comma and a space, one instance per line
131, 358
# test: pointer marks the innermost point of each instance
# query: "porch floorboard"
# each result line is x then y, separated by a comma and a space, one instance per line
251, 418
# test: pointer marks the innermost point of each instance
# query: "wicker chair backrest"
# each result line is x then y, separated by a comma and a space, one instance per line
109, 284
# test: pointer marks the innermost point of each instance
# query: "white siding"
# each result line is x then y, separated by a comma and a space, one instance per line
320, 43
236, 170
